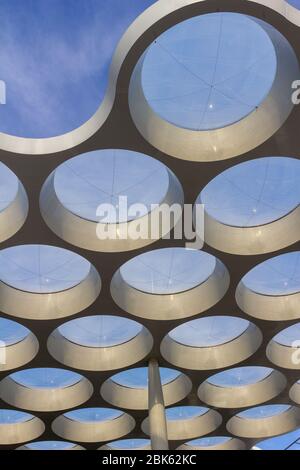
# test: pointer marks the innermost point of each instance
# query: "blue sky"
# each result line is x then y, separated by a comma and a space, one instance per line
54, 59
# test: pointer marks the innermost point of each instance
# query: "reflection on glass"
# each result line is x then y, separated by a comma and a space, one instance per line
253, 193
11, 332
102, 177
209, 71
276, 276
92, 415
240, 376
209, 331
138, 377
46, 378
100, 331
168, 270
41, 268
264, 411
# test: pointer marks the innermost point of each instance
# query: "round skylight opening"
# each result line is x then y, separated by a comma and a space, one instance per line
111, 186
209, 71
208, 441
275, 277
46, 378
11, 332
14, 417
168, 270
240, 376
42, 269
138, 377
100, 331
93, 415
264, 411
289, 336
253, 193
209, 331
50, 445
129, 444
185, 412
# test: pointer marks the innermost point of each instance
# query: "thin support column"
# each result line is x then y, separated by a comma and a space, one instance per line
157, 416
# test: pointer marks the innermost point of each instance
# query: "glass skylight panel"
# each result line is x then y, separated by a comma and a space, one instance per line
14, 416
90, 415
168, 270
288, 336
209, 331
185, 412
11, 332
209, 71
46, 378
102, 177
50, 445
42, 268
240, 376
264, 411
254, 193
276, 276
129, 444
138, 378
100, 331
208, 441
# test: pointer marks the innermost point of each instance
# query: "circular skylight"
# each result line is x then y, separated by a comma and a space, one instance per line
92, 415
168, 270
45, 378
11, 332
209, 331
100, 331
138, 378
9, 186
253, 193
128, 444
240, 376
277, 276
209, 71
185, 412
42, 268
106, 178
208, 441
50, 445
264, 411
14, 416
288, 336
